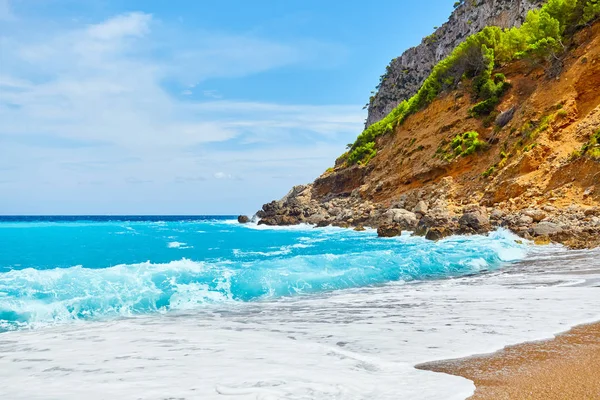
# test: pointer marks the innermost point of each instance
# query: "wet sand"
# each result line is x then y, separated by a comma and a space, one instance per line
567, 367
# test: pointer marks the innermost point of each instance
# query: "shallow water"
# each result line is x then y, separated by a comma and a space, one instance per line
345, 316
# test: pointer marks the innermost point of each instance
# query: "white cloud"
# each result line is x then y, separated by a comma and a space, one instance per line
223, 175
89, 105
213, 94
131, 24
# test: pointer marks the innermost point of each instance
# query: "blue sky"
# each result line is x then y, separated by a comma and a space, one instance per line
186, 107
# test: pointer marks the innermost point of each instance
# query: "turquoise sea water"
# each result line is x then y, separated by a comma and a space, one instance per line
62, 269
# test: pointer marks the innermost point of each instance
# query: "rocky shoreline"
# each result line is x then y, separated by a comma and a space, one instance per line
434, 214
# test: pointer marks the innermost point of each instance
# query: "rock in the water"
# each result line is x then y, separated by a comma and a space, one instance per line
243, 219
323, 223
437, 233
475, 221
546, 229
389, 230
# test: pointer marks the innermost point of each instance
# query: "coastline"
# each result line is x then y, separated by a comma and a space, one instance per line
558, 368
346, 339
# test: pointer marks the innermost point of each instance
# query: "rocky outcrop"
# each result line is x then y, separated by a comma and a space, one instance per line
405, 74
530, 176
435, 216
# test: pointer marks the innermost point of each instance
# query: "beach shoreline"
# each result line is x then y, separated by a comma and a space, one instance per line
564, 367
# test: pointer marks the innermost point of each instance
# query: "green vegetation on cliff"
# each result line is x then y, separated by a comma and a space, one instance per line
540, 37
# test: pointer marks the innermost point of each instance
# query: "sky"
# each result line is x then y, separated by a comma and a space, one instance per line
186, 107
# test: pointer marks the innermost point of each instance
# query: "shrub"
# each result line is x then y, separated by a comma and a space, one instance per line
592, 148
363, 154
489, 171
484, 107
463, 145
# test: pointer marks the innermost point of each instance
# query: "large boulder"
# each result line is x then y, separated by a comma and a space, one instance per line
546, 229
437, 233
474, 221
405, 219
243, 219
389, 230
317, 219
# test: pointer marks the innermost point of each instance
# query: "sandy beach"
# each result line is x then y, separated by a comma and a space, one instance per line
566, 367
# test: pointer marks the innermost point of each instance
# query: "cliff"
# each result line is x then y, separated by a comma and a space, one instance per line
405, 74
531, 165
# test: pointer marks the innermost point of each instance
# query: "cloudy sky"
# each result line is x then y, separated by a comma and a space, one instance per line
186, 107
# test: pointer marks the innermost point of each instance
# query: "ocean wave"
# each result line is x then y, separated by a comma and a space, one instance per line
29, 297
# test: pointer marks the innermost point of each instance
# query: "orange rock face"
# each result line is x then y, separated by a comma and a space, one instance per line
531, 161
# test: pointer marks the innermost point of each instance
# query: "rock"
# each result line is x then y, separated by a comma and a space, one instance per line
496, 214
546, 229
421, 208
360, 228
243, 219
505, 117
524, 220
475, 221
592, 212
323, 224
406, 219
389, 230
437, 233
535, 214
317, 219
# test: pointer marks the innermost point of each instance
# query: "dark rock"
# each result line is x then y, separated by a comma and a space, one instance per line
505, 117
243, 219
474, 221
323, 223
437, 233
389, 230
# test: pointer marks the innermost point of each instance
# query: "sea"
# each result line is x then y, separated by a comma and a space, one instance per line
202, 307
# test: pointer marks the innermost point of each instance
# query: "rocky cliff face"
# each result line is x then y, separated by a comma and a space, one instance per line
406, 73
537, 175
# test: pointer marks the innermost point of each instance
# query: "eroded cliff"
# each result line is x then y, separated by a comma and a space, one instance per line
405, 74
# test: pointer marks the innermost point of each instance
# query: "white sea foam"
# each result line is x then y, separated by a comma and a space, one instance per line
350, 344
178, 245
